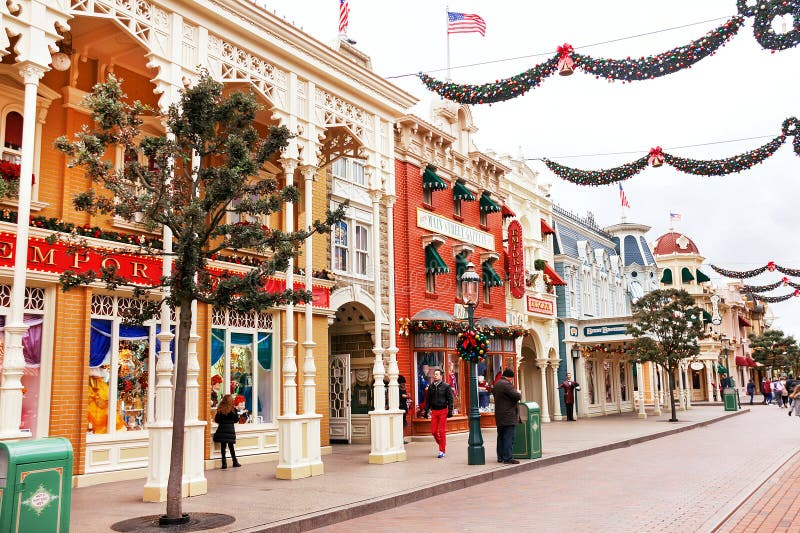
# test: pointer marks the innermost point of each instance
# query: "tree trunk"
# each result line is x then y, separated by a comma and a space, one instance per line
175, 480
671, 381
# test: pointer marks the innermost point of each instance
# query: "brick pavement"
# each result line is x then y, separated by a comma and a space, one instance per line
686, 482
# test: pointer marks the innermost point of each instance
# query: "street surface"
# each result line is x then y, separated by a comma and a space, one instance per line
691, 481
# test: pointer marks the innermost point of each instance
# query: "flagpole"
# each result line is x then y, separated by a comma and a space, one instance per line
447, 29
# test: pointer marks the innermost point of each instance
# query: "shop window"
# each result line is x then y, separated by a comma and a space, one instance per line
340, 247
361, 249
12, 138
349, 170
432, 351
608, 382
351, 245
242, 351
591, 390
623, 382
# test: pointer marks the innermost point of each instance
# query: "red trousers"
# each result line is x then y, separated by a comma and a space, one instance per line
439, 427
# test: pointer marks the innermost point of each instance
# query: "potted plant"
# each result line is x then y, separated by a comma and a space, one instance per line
539, 264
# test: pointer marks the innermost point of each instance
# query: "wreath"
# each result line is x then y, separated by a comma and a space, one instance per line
472, 346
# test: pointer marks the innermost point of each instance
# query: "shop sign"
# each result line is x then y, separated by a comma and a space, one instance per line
516, 260
429, 221
140, 270
537, 305
573, 331
697, 365
599, 331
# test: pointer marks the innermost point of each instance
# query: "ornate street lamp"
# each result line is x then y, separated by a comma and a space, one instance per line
476, 455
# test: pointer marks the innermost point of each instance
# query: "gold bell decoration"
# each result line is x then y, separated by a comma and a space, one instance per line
656, 157
566, 65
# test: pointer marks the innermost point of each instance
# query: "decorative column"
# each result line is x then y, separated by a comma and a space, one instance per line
554, 364
378, 417
194, 479
542, 365
709, 386
580, 377
396, 447
13, 360
654, 384
311, 426
640, 386
688, 387
291, 463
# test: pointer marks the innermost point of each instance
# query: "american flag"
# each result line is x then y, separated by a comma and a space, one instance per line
674, 217
623, 198
344, 15
465, 23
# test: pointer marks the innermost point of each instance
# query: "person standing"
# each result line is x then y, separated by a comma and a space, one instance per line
225, 435
766, 390
569, 387
506, 415
751, 390
777, 392
403, 393
439, 403
784, 393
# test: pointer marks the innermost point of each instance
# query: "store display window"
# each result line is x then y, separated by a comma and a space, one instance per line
432, 351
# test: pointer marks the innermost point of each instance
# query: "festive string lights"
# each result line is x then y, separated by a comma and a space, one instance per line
698, 167
628, 69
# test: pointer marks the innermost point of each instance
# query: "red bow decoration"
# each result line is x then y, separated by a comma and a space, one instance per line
785, 281
565, 62
656, 157
564, 50
469, 340
771, 266
797, 292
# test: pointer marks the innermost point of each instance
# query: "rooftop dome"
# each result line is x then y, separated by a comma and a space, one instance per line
675, 243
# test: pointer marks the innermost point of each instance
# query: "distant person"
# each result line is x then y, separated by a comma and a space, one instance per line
403, 393
506, 415
766, 390
796, 403
784, 393
225, 435
751, 390
439, 403
569, 387
777, 392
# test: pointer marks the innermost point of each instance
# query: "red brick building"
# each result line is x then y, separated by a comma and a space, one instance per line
448, 213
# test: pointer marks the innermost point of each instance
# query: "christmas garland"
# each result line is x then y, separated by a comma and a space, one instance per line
472, 346
644, 68
447, 326
771, 266
765, 288
698, 167
776, 299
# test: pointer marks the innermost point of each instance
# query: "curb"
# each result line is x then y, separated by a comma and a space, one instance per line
334, 515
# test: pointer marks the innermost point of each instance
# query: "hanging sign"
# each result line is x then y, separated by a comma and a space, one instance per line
537, 305
516, 260
611, 329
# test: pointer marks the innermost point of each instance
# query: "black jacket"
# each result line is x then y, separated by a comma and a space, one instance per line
439, 396
506, 399
226, 430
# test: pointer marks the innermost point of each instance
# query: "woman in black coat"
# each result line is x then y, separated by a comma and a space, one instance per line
226, 418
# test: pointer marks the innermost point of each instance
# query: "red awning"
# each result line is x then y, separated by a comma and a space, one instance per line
546, 229
507, 212
741, 361
751, 362
555, 279
745, 323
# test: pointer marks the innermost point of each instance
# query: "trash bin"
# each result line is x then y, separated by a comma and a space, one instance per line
35, 485
528, 435
730, 399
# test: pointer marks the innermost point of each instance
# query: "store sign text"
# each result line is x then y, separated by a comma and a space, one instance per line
537, 305
429, 221
516, 260
613, 329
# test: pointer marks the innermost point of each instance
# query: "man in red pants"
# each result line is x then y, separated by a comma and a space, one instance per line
439, 403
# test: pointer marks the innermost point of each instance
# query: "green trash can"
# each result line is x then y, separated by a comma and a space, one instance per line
730, 399
528, 435
36, 485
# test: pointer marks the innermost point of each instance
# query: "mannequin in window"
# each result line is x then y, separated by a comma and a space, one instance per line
483, 394
216, 383
97, 411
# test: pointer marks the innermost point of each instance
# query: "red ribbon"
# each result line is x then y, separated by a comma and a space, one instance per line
771, 266
564, 51
797, 292
785, 281
656, 154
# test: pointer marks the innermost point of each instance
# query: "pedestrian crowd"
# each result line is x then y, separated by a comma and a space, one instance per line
782, 391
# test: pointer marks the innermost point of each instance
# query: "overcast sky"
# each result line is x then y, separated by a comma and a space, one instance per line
738, 222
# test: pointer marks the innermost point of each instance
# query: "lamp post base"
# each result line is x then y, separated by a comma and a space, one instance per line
476, 454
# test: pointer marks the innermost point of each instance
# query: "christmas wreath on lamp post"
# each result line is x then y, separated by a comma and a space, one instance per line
472, 346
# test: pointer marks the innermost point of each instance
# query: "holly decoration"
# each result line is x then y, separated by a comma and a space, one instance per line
472, 345
657, 156
630, 69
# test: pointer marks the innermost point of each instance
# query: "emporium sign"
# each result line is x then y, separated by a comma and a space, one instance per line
141, 270
516, 265
598, 331
451, 228
537, 305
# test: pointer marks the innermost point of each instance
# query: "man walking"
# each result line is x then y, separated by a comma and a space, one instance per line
751, 390
766, 390
569, 387
506, 415
439, 402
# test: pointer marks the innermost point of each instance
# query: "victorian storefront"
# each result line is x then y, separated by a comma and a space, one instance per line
448, 215
72, 367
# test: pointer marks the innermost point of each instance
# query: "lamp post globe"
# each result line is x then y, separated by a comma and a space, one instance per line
476, 455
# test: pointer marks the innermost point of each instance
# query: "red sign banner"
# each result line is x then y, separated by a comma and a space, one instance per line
516, 260
537, 305
143, 270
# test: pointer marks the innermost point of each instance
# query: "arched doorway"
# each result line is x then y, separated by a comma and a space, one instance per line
530, 376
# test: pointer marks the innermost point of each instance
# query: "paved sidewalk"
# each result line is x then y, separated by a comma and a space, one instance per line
351, 487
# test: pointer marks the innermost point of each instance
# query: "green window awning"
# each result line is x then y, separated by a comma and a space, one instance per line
706, 316
666, 277
461, 265
460, 192
686, 275
702, 278
430, 180
490, 277
488, 205
434, 264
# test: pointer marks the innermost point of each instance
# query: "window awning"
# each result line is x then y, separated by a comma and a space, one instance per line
744, 322
706, 316
430, 180
461, 265
741, 361
555, 279
702, 278
490, 277
460, 192
666, 277
434, 264
507, 212
546, 229
751, 362
487, 204
686, 275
